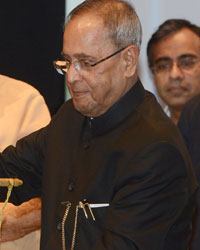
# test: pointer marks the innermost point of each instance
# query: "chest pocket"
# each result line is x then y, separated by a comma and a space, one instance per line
83, 224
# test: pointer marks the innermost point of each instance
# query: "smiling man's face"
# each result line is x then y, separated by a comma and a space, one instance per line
177, 85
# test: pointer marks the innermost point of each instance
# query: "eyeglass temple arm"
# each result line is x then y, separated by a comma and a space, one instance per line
108, 57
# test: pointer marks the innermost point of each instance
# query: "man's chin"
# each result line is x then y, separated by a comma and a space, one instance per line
178, 104
177, 100
83, 109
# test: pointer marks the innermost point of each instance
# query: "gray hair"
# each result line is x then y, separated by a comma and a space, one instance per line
119, 18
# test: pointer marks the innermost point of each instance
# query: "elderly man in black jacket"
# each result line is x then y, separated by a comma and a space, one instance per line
112, 169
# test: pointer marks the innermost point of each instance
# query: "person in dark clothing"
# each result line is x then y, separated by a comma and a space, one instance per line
111, 167
189, 125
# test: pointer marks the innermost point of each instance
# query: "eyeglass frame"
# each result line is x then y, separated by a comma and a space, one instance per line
167, 70
60, 68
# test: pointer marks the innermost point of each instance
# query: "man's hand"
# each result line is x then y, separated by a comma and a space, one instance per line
20, 220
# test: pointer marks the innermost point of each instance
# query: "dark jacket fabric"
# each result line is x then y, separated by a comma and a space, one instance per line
128, 169
189, 125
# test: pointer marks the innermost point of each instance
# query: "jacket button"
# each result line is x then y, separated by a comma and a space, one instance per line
86, 145
59, 227
71, 187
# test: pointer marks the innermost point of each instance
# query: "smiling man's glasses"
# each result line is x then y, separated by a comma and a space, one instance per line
62, 65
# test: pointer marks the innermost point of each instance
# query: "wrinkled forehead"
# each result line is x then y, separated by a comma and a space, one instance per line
85, 33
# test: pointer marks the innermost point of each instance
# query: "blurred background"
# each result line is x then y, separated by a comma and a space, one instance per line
31, 38
152, 13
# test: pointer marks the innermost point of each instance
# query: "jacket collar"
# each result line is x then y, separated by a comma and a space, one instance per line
119, 111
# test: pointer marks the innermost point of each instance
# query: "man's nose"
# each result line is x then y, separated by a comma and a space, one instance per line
176, 72
73, 74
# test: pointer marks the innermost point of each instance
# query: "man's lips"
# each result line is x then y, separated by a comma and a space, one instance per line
177, 90
79, 94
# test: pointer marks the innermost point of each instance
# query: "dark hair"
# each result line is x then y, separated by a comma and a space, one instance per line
118, 17
165, 29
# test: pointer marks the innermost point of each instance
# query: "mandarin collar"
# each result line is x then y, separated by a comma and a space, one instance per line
118, 112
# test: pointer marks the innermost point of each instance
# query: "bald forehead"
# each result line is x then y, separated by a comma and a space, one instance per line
85, 22
85, 32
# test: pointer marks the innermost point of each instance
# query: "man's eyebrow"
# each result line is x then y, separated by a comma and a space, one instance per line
160, 59
64, 55
165, 58
187, 55
80, 56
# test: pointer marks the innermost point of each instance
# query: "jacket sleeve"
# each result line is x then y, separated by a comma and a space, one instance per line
25, 162
151, 208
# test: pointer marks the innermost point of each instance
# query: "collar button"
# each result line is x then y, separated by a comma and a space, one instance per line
59, 226
71, 187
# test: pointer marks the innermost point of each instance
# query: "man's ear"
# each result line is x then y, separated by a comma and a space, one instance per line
130, 59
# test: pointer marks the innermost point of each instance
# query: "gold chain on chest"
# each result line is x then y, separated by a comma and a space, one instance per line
80, 205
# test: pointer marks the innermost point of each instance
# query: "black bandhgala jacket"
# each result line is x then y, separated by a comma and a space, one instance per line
119, 181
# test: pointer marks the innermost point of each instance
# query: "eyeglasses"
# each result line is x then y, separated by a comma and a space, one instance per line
62, 65
164, 66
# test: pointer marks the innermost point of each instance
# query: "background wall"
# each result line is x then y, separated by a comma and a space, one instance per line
31, 38
152, 13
